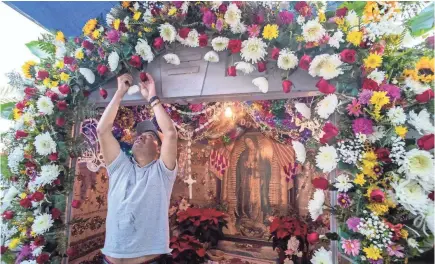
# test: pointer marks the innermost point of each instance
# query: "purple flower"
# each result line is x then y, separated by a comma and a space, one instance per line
392, 91
219, 24
352, 223
286, 17
24, 253
363, 126
344, 200
177, 4
379, 261
101, 52
113, 36
395, 250
364, 96
208, 18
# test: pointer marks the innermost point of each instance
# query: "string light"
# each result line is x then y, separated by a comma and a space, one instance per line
228, 112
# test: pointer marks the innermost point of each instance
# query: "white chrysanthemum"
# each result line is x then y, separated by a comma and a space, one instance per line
378, 134
303, 109
352, 19
322, 256
44, 144
430, 219
10, 195
245, 67
184, 7
253, 49
220, 43
396, 115
144, 50
48, 175
148, 16
88, 74
172, 58
28, 262
412, 243
419, 165
300, 20
327, 106
37, 251
232, 15
211, 56
421, 122
343, 183
327, 158
411, 196
167, 32
300, 152
261, 83
326, 66
113, 60
136, 6
45, 105
315, 205
192, 39
110, 18
313, 31
287, 60
377, 76
336, 39
42, 224
238, 28
14, 159
416, 86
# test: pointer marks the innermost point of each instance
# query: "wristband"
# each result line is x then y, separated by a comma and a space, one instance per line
153, 99
156, 103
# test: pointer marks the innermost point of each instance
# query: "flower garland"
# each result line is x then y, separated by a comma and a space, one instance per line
358, 50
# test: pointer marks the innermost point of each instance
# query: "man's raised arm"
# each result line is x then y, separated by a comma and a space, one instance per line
109, 145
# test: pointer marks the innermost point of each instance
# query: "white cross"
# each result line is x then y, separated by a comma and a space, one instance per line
190, 181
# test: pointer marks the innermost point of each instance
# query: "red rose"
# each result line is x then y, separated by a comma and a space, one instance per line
425, 97
341, 12
3, 249
88, 45
183, 32
222, 8
143, 77
305, 62
30, 91
43, 258
60, 121
377, 195
56, 213
39, 241
26, 203
330, 132
102, 69
231, 71
203, 40
71, 252
76, 204
68, 60
371, 85
261, 66
8, 215
62, 105
325, 87
235, 45
103, 93
42, 75
37, 196
320, 183
52, 95
275, 53
158, 43
313, 238
135, 61
426, 142
348, 56
53, 156
287, 86
20, 134
430, 42
64, 89
383, 155
303, 8
21, 105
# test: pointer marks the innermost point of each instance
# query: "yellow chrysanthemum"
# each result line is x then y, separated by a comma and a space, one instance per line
96, 34
90, 26
425, 69
28, 69
322, 17
379, 99
401, 131
339, 21
60, 36
79, 54
116, 23
373, 61
378, 208
64, 77
46, 82
172, 11
23, 195
147, 29
270, 31
33, 234
372, 252
404, 233
59, 64
54, 83
14, 243
17, 113
125, 4
354, 37
359, 179
137, 15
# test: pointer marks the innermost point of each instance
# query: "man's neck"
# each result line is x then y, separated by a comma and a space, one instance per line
143, 161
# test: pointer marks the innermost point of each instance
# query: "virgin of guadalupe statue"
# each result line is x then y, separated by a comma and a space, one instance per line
253, 175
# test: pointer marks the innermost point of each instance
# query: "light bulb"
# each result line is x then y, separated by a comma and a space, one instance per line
228, 112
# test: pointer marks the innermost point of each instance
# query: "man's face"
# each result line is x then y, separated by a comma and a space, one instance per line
145, 144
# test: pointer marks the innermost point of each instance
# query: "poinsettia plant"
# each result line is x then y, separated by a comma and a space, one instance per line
187, 249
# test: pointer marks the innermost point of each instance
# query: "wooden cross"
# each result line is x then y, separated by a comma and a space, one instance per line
190, 181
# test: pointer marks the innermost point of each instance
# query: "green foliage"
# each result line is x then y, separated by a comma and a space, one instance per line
357, 6
6, 110
423, 22
5, 172
41, 49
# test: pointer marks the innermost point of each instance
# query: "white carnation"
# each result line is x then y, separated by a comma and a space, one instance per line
313, 31
14, 159
45, 105
172, 58
44, 144
411, 196
315, 205
245, 67
396, 115
327, 158
327, 106
113, 60
287, 60
88, 74
326, 66
261, 83
220, 43
238, 28
336, 39
300, 152
253, 49
211, 56
377, 76
144, 50
167, 32
421, 122
232, 15
42, 224
343, 183
48, 175
303, 109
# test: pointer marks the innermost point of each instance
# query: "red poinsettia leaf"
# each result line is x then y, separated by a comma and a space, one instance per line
201, 252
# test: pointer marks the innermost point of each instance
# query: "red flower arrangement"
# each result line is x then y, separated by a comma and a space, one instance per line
187, 249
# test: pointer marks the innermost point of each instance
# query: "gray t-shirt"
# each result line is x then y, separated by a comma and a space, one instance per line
138, 202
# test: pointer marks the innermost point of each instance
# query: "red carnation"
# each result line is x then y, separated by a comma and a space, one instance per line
325, 87
183, 32
330, 132
88, 45
261, 66
341, 12
426, 142
231, 71
64, 89
305, 62
303, 8
56, 182
313, 238
52, 95
42, 75
8, 215
102, 69
43, 258
37, 196
53, 156
287, 86
103, 93
143, 77
62, 105
68, 60
370, 84
383, 155
56, 213
21, 105
39, 241
235, 45
348, 56
203, 40
259, 19
377, 195
76, 204
26, 203
425, 97
135, 61
30, 91
60, 121
320, 183
275, 53
158, 43
20, 134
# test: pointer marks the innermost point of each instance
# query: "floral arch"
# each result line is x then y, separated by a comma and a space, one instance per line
380, 87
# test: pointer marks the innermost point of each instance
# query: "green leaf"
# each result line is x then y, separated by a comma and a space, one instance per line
6, 110
6, 174
59, 201
126, 50
357, 6
423, 22
40, 49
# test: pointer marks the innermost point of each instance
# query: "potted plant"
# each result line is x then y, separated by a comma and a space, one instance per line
187, 249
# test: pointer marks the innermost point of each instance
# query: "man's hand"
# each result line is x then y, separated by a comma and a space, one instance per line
148, 88
124, 82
